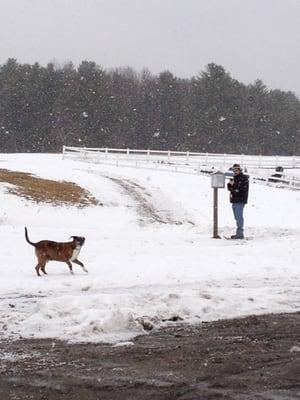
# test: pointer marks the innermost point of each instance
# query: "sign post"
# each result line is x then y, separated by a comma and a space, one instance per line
217, 182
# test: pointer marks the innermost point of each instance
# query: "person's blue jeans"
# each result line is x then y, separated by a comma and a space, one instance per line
238, 212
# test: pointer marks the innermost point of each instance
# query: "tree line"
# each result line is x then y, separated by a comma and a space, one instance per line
44, 108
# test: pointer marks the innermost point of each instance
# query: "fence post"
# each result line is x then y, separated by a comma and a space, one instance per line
224, 160
169, 153
106, 152
148, 155
64, 149
187, 156
292, 182
127, 153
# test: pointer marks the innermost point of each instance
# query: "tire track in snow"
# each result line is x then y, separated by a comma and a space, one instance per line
148, 212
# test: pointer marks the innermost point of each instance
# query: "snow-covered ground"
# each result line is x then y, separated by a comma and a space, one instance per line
148, 250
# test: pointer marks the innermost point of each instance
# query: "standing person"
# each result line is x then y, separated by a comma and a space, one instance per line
238, 187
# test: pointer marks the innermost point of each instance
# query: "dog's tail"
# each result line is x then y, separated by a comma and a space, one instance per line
27, 238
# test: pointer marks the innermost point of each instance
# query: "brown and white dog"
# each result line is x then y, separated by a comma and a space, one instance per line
47, 250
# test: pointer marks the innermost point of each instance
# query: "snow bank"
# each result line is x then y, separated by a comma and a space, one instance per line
139, 270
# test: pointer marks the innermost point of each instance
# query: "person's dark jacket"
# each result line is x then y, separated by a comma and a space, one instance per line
239, 189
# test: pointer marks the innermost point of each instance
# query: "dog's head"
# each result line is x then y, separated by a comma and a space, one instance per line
78, 240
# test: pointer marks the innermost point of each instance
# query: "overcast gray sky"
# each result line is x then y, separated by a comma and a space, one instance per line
252, 39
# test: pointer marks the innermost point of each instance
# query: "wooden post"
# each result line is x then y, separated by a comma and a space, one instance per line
215, 214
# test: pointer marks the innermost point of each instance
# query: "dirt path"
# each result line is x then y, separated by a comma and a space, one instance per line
145, 208
257, 357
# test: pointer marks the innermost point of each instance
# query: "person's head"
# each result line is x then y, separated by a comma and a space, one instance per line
236, 168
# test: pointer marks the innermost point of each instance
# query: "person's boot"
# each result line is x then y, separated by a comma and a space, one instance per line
239, 234
237, 237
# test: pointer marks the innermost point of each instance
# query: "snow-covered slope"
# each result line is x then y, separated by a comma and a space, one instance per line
148, 250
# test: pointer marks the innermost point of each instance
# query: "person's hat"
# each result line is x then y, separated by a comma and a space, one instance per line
236, 166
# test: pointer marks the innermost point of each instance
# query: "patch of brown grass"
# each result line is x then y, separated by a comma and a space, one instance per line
41, 190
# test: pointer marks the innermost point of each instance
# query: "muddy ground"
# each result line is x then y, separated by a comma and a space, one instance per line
257, 357
39, 190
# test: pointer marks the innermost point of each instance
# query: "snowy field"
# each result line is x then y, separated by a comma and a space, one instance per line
148, 251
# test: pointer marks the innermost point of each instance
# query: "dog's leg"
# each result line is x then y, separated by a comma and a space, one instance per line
42, 261
40, 266
70, 266
43, 266
80, 263
37, 269
43, 269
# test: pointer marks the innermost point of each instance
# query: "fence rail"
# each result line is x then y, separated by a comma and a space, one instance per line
261, 167
206, 159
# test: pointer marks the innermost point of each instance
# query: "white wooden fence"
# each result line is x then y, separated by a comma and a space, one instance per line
179, 157
261, 168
